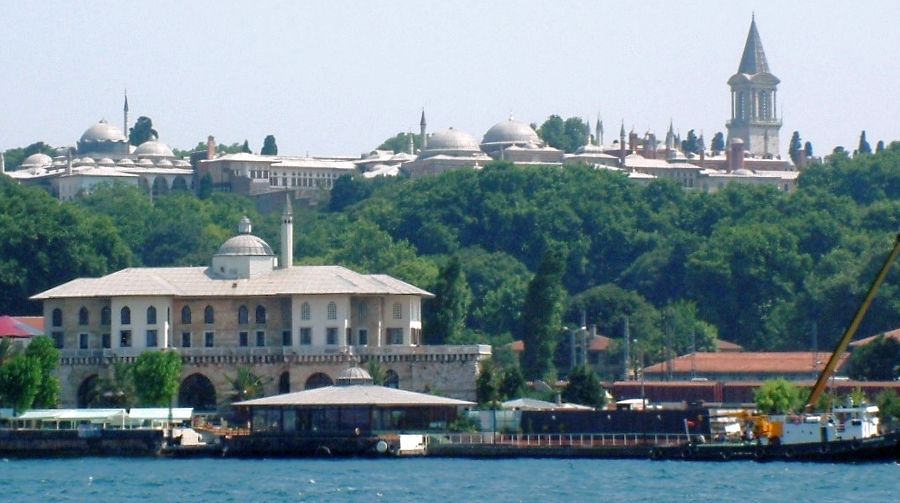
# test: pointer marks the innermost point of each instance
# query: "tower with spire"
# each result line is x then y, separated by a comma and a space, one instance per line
423, 126
287, 234
754, 102
125, 115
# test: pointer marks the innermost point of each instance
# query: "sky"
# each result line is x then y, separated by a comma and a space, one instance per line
339, 77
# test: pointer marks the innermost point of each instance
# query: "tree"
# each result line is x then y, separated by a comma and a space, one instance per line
512, 383
245, 148
879, 147
864, 147
584, 388
245, 385
692, 144
400, 143
42, 350
205, 187
376, 371
445, 314
808, 150
565, 135
142, 131
540, 323
348, 190
878, 360
269, 147
20, 382
116, 389
796, 146
777, 396
486, 386
888, 402
718, 143
157, 375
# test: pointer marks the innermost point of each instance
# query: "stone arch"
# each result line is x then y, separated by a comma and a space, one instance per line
318, 380
284, 382
160, 187
86, 391
391, 379
197, 391
179, 183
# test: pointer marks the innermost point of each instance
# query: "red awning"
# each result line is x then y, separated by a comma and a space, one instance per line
11, 327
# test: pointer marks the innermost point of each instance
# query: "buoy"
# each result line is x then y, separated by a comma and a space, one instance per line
381, 447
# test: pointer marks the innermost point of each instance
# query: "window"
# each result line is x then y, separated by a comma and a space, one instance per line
185, 339
105, 316
363, 311
305, 336
398, 311
395, 335
331, 335
151, 315
349, 336
260, 315
332, 311
105, 341
185, 315
286, 338
243, 315
125, 316
260, 338
125, 338
363, 337
208, 339
83, 316
57, 317
152, 338
305, 311
58, 339
209, 316
243, 339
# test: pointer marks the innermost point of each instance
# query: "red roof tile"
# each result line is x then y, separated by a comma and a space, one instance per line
748, 362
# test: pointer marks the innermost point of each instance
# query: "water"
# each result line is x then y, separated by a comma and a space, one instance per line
100, 480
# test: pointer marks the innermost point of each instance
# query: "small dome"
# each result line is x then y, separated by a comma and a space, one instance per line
245, 244
106, 161
145, 163
126, 162
353, 375
452, 140
510, 131
153, 148
181, 163
102, 132
38, 160
85, 161
165, 163
742, 172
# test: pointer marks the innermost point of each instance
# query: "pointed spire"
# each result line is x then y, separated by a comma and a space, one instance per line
422, 121
2, 163
599, 130
622, 130
125, 108
753, 60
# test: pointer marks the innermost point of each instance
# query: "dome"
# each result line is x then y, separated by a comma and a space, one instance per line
85, 161
153, 148
742, 172
245, 244
165, 163
38, 160
452, 140
126, 162
106, 161
353, 375
510, 131
181, 163
102, 132
146, 163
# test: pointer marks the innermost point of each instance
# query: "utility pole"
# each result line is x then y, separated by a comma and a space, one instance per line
627, 356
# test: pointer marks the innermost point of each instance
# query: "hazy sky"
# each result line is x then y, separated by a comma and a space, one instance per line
340, 77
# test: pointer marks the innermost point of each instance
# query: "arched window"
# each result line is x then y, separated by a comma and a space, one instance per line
398, 311
185, 315
151, 315
125, 316
332, 311
209, 316
57, 317
260, 315
105, 316
284, 382
84, 317
305, 311
243, 315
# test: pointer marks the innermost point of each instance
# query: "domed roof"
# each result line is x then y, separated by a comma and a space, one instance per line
38, 160
106, 161
510, 131
451, 140
147, 163
102, 132
742, 172
165, 163
181, 163
84, 161
125, 162
245, 244
353, 375
153, 148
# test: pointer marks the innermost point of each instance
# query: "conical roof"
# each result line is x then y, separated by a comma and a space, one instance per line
753, 60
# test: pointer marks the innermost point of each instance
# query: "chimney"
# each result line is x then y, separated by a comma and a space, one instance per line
736, 155
210, 148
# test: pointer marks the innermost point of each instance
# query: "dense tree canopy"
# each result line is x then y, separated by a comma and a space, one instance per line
157, 375
269, 146
142, 131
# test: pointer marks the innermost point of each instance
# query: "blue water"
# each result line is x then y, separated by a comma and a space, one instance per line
99, 480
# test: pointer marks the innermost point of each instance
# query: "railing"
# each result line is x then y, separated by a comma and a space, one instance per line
562, 439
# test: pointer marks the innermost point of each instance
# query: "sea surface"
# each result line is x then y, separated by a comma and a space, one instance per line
99, 480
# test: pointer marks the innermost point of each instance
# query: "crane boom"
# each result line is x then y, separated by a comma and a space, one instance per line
827, 372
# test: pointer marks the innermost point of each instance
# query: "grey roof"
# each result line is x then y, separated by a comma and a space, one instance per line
101, 132
510, 131
356, 395
754, 59
198, 282
153, 148
245, 244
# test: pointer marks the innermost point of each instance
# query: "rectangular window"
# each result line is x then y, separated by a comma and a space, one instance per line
305, 336
243, 339
105, 341
260, 338
58, 339
286, 338
349, 336
208, 339
331, 335
82, 341
125, 339
363, 337
151, 339
395, 335
185, 339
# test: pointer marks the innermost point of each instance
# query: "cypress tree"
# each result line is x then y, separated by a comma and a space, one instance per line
864, 147
269, 146
795, 147
540, 322
448, 310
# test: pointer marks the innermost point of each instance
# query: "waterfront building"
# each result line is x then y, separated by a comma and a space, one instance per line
742, 366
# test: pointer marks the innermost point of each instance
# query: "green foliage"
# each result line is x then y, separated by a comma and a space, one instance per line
565, 135
878, 360
778, 396
348, 190
142, 131
541, 323
15, 156
486, 386
20, 382
116, 390
512, 383
584, 388
377, 372
269, 146
888, 406
157, 375
795, 148
692, 144
245, 148
245, 385
718, 143
879, 147
445, 314
400, 143
808, 149
42, 350
864, 147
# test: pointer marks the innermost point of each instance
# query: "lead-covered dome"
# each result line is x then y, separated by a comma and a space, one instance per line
245, 244
153, 148
38, 160
353, 375
511, 131
452, 142
102, 132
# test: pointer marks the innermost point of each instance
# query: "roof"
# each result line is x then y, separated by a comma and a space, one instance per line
893, 334
129, 415
534, 404
198, 282
726, 346
18, 328
355, 395
748, 362
753, 60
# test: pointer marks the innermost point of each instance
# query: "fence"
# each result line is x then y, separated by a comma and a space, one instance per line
563, 439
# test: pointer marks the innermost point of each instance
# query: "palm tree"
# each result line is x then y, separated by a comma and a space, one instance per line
245, 385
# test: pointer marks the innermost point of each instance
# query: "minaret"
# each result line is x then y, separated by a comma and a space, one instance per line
2, 163
599, 131
670, 142
411, 147
125, 114
590, 138
754, 100
287, 234
622, 144
422, 130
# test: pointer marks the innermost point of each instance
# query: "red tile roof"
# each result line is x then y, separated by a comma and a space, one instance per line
748, 362
598, 344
